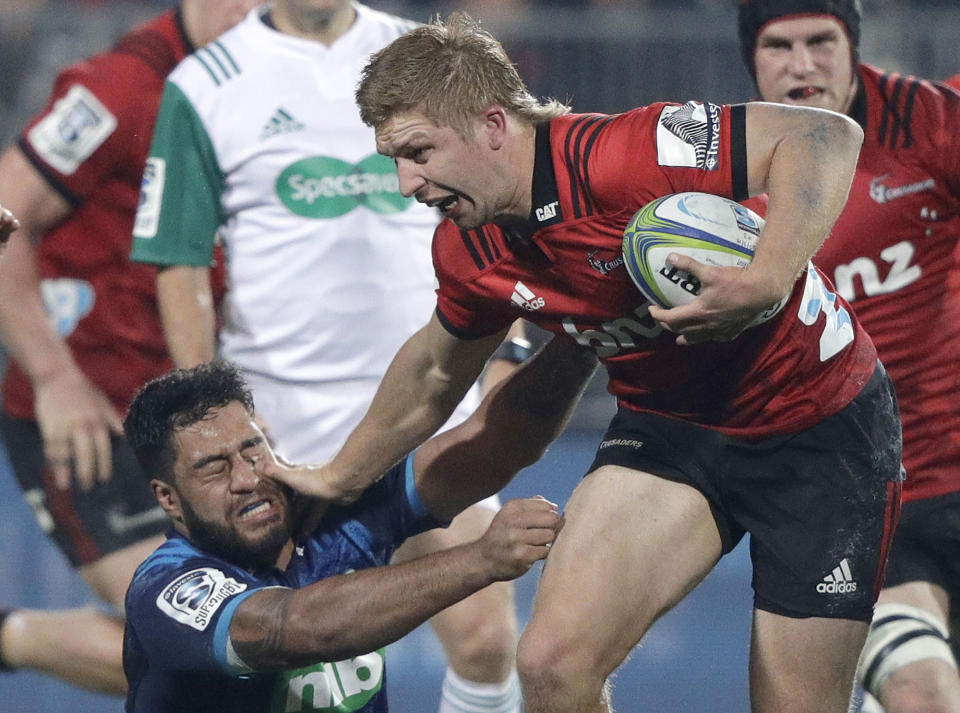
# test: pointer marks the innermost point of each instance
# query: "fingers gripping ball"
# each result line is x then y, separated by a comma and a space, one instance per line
713, 230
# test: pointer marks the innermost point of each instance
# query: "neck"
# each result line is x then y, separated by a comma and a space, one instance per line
519, 162
323, 25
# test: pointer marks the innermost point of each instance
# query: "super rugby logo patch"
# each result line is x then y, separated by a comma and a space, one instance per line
76, 127
689, 135
193, 598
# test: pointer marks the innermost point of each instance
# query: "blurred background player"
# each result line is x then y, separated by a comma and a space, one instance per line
80, 322
329, 267
288, 604
891, 254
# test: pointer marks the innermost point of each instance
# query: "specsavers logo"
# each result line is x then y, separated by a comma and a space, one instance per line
323, 187
341, 687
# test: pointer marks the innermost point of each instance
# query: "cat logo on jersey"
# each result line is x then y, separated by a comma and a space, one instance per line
340, 687
689, 135
194, 597
75, 127
322, 187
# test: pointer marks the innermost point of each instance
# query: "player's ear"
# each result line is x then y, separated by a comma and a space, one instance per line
494, 120
168, 498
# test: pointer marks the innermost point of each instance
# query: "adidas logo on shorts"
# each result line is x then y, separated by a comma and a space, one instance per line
839, 581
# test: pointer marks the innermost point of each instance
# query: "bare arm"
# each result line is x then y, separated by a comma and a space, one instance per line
805, 160
510, 430
425, 381
75, 417
186, 311
353, 614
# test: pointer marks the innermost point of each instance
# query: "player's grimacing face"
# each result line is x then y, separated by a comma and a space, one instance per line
440, 167
225, 504
805, 61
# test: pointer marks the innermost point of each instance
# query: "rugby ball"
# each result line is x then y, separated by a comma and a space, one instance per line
713, 230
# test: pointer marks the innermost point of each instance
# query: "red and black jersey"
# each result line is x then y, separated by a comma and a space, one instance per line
565, 273
953, 82
893, 253
91, 143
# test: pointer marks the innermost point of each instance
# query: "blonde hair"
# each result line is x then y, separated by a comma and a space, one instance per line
451, 71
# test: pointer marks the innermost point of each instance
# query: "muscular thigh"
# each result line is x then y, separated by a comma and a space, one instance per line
87, 525
632, 545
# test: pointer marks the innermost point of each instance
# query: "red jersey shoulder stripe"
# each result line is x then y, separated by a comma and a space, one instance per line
577, 147
897, 92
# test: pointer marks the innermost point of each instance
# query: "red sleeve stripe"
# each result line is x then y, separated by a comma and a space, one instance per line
893, 120
577, 155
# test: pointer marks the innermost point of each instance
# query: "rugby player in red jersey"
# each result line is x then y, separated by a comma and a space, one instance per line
788, 430
891, 256
80, 322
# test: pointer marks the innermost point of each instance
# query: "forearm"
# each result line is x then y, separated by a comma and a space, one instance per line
416, 396
510, 430
353, 614
186, 310
810, 171
24, 324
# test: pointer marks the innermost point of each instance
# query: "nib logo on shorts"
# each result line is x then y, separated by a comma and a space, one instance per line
839, 581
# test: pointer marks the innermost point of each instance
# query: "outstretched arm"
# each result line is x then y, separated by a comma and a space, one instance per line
425, 381
510, 430
352, 614
805, 160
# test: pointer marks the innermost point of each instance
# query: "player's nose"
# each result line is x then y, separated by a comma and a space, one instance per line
409, 177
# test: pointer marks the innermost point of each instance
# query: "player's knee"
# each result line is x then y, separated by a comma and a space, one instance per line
902, 635
547, 662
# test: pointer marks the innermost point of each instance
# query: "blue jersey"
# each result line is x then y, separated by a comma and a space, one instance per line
177, 655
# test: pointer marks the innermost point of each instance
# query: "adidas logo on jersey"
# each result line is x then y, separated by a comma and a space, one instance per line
839, 581
524, 298
280, 123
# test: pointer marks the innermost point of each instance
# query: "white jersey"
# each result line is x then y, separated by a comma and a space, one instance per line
329, 266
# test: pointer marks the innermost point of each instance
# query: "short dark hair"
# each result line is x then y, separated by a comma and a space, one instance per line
176, 400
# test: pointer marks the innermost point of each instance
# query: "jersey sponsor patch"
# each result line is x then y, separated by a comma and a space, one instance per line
341, 687
193, 598
322, 187
151, 197
689, 135
76, 127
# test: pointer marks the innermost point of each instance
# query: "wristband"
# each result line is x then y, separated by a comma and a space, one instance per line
515, 350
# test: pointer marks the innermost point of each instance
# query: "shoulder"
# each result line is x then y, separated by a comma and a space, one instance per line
906, 112
466, 253
220, 66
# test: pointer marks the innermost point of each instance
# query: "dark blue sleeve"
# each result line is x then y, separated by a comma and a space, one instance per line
389, 512
179, 612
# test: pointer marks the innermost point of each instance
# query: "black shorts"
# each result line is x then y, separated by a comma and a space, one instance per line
86, 525
926, 547
820, 505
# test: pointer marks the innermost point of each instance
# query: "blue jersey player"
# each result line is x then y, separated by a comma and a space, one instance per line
264, 600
